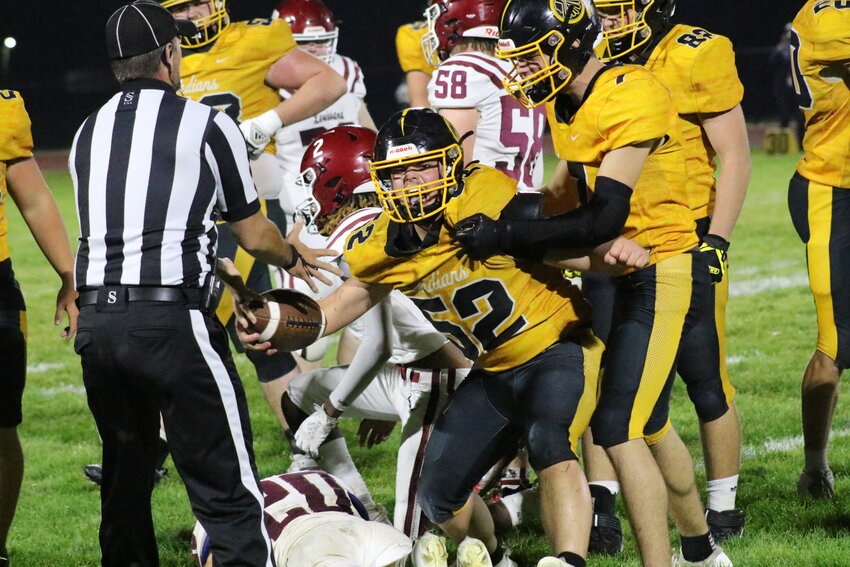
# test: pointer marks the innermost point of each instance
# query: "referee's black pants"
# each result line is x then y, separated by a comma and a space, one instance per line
141, 359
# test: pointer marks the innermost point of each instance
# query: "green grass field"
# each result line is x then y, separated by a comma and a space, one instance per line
771, 334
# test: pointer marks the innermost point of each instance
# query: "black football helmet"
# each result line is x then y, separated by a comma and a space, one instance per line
410, 137
562, 33
650, 18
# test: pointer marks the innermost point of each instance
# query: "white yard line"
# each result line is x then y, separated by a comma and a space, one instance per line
63, 389
43, 367
770, 283
766, 268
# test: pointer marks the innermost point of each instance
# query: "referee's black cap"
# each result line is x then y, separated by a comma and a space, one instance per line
142, 26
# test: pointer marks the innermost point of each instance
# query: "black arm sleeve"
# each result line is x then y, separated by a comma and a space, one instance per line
599, 221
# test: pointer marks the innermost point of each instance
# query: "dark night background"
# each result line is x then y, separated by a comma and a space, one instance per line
60, 63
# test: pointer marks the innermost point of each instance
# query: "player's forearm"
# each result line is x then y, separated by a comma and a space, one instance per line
364, 118
351, 300
38, 208
731, 191
417, 88
316, 94
372, 354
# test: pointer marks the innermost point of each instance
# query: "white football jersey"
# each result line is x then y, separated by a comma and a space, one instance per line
509, 137
413, 336
288, 497
293, 139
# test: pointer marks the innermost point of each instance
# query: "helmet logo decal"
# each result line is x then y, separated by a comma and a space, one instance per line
402, 151
569, 11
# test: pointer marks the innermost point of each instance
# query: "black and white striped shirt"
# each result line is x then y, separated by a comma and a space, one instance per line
152, 171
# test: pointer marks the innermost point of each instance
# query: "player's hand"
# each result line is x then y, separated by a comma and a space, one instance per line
481, 237
628, 253
259, 131
314, 430
66, 302
715, 248
374, 432
307, 264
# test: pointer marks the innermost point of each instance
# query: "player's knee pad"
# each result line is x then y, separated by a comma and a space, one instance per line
709, 399
549, 443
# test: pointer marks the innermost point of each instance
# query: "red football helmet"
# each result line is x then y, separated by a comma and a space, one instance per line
450, 20
334, 167
311, 21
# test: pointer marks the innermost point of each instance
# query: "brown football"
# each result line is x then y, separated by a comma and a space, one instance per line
290, 320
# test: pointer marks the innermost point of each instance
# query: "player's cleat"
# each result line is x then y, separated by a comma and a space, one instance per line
818, 484
473, 553
4, 559
726, 523
430, 551
301, 462
606, 535
552, 562
94, 473
378, 513
717, 559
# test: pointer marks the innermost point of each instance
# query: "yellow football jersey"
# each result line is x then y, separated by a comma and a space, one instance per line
501, 313
15, 143
408, 45
231, 75
820, 53
628, 105
698, 68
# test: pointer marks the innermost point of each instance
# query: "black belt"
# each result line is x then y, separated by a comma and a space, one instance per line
191, 295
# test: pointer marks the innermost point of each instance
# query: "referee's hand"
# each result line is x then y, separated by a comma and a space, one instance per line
307, 264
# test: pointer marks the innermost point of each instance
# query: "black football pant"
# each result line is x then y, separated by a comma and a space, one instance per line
141, 359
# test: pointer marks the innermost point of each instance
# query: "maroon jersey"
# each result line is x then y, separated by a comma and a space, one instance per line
292, 495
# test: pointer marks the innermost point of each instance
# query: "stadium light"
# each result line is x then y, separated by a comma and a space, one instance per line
10, 42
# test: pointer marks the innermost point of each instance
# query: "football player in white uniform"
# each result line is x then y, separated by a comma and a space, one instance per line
313, 521
467, 89
315, 31
403, 371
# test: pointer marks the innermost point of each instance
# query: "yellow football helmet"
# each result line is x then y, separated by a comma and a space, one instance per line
209, 27
639, 20
558, 34
412, 137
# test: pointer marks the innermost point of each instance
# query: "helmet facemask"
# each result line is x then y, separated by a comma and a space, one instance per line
540, 86
418, 202
209, 27
627, 37
318, 34
430, 41
309, 209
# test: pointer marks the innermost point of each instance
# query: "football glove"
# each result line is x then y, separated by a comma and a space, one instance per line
482, 237
715, 248
259, 131
314, 431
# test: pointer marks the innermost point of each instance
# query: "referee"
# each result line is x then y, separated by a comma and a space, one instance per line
152, 173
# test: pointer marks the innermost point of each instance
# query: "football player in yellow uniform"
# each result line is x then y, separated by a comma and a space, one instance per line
524, 325
819, 200
630, 166
417, 69
698, 68
238, 67
21, 178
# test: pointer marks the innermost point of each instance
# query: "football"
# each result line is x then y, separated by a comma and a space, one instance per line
289, 320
